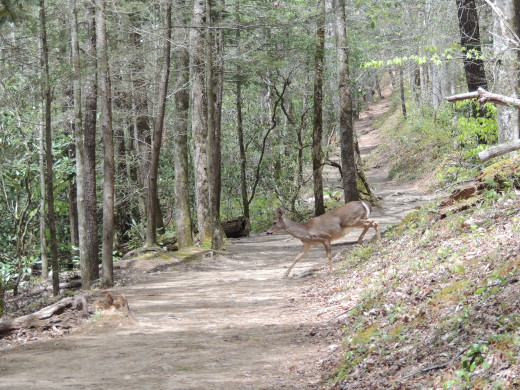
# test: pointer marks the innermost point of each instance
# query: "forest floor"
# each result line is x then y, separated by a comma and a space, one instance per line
229, 320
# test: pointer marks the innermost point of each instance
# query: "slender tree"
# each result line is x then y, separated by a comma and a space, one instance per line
86, 277
199, 125
107, 278
180, 128
53, 241
91, 96
151, 233
346, 126
319, 207
216, 228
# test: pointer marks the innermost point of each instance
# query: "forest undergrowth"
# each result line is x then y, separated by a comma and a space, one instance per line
435, 304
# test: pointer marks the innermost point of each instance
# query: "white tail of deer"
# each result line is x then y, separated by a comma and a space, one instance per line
326, 228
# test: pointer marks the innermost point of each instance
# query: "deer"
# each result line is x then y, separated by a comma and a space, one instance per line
324, 229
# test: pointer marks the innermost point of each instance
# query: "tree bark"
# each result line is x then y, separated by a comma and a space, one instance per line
401, 89
91, 96
48, 154
507, 66
346, 126
317, 134
499, 150
41, 155
216, 227
240, 124
484, 97
199, 123
86, 275
107, 278
470, 42
152, 204
182, 98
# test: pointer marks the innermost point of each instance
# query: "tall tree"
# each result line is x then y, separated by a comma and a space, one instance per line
470, 42
199, 122
213, 158
107, 278
86, 277
91, 96
317, 134
240, 125
180, 128
507, 64
47, 96
151, 233
346, 125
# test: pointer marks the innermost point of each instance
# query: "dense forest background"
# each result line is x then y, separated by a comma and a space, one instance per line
126, 124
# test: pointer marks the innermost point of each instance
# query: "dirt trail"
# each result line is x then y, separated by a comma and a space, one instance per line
228, 322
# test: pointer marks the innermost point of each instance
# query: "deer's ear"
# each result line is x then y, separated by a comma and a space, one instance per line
281, 211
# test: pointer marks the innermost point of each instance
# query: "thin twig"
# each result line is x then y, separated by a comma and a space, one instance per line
437, 367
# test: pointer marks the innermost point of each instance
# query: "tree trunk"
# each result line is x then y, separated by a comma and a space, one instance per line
470, 42
151, 233
48, 154
216, 227
507, 67
240, 128
91, 95
86, 276
107, 278
401, 89
219, 86
346, 126
319, 206
43, 236
199, 123
182, 98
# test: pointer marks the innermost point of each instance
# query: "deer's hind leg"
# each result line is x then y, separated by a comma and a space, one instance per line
367, 224
326, 244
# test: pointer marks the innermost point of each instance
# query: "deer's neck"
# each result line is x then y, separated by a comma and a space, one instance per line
296, 229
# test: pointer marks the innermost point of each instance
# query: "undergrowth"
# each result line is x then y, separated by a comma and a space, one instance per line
440, 148
435, 303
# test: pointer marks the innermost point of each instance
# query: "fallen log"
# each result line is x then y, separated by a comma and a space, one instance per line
238, 227
42, 317
499, 150
484, 97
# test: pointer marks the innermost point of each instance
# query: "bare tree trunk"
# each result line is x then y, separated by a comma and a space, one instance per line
506, 67
86, 277
107, 278
219, 86
240, 124
49, 157
43, 236
91, 95
470, 42
346, 126
199, 123
401, 89
182, 98
152, 204
319, 206
216, 227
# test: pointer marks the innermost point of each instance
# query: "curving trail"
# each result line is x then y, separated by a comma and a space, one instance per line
227, 322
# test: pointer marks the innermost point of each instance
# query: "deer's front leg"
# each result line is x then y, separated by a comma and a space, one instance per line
306, 248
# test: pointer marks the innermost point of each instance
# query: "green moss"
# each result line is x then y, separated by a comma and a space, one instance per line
453, 292
364, 336
191, 253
